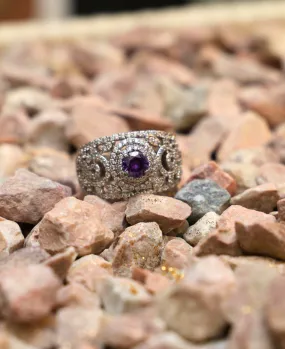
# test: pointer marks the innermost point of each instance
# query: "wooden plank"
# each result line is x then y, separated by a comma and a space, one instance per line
102, 26
11, 11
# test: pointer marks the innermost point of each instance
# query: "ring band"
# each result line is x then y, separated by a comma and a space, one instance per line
126, 164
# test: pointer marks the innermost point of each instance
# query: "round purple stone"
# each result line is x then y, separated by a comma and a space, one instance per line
135, 164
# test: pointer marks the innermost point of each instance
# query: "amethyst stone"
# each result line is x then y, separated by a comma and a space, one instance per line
135, 164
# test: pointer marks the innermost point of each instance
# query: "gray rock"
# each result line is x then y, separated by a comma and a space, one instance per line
203, 196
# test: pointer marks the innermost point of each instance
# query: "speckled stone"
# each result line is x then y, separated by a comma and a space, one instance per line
203, 196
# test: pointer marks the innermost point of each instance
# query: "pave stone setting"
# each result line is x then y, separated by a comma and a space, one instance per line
126, 164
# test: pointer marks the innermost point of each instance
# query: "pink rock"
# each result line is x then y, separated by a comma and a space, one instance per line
223, 98
55, 165
167, 212
47, 130
138, 246
193, 306
142, 119
244, 174
75, 294
36, 296
92, 58
32, 100
158, 65
206, 137
262, 238
257, 156
212, 171
274, 310
123, 331
251, 291
86, 124
267, 102
24, 257
112, 216
224, 240
271, 173
251, 330
260, 198
26, 197
89, 272
14, 127
73, 223
176, 254
11, 159
153, 282
11, 237
122, 295
77, 325
61, 262
251, 131
281, 210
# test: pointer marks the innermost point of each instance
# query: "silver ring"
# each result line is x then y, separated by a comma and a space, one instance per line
126, 164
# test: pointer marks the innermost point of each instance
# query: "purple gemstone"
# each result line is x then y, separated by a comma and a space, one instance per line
136, 164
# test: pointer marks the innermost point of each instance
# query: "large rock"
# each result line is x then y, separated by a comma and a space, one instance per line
139, 246
203, 196
26, 197
193, 306
167, 212
262, 238
35, 297
260, 198
223, 240
73, 223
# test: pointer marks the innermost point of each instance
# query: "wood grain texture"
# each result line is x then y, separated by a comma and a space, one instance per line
244, 13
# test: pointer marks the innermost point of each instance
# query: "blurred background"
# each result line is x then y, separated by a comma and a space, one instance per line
28, 9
